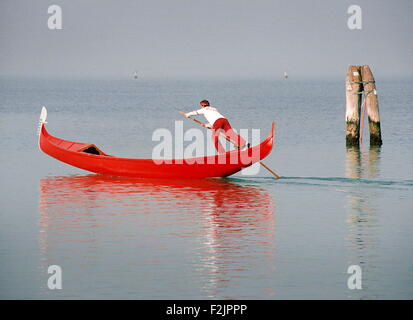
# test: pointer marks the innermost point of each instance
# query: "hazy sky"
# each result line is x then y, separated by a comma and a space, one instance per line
213, 38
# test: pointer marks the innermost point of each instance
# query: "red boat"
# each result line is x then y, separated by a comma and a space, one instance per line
89, 157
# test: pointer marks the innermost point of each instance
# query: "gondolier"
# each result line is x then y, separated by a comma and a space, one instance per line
218, 123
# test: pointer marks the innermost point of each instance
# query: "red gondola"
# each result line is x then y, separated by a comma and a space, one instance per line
89, 157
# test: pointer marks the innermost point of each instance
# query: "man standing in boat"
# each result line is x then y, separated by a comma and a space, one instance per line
218, 123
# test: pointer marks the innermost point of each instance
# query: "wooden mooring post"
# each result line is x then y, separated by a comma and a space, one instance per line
372, 105
359, 81
353, 103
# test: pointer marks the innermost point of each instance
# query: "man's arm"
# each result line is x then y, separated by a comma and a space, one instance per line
194, 113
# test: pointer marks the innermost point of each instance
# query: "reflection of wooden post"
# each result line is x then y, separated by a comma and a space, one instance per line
372, 104
353, 162
374, 162
353, 102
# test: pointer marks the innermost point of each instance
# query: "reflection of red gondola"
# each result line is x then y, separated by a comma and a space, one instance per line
211, 229
226, 203
217, 197
88, 157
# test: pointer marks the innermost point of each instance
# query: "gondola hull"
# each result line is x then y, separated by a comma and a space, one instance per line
88, 157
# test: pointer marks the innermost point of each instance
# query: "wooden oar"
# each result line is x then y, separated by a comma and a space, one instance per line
228, 139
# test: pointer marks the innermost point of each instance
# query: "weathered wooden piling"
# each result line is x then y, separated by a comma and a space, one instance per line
372, 104
353, 103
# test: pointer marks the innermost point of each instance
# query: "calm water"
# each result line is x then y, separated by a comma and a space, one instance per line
244, 237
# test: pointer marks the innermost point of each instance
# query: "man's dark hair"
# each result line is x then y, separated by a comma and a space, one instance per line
204, 102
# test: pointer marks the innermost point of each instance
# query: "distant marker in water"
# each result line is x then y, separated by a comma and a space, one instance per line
135, 75
285, 75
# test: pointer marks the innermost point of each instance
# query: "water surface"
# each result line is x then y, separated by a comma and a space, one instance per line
243, 237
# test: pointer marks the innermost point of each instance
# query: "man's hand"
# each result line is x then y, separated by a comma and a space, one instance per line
184, 114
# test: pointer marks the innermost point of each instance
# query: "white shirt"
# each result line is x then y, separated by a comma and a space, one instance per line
210, 113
